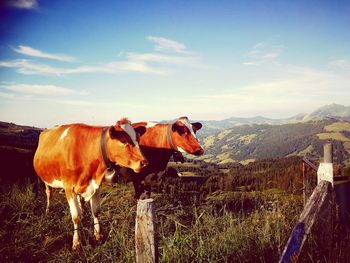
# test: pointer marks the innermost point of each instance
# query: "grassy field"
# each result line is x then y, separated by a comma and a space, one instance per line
205, 232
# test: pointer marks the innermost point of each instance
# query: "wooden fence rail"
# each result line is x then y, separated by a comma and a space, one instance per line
320, 204
318, 201
319, 207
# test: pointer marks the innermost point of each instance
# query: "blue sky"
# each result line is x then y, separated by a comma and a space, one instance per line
98, 61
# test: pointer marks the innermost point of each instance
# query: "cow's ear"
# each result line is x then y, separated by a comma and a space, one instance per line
196, 126
178, 128
140, 130
174, 127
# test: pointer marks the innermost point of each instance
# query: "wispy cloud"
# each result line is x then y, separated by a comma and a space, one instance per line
164, 44
340, 63
190, 60
7, 95
156, 63
23, 4
29, 51
146, 63
292, 89
262, 53
36, 89
28, 67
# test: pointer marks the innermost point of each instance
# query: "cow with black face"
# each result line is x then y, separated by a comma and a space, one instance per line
158, 143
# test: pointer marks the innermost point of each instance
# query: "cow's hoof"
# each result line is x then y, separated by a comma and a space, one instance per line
98, 237
76, 246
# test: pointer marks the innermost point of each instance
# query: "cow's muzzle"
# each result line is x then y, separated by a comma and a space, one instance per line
199, 152
143, 163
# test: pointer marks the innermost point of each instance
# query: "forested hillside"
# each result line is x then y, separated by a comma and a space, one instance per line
17, 147
261, 141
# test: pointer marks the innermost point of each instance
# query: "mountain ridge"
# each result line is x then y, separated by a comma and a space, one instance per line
333, 110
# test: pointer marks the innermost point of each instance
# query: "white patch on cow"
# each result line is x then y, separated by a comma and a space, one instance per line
75, 213
90, 190
56, 184
151, 124
189, 126
74, 206
131, 132
181, 150
64, 133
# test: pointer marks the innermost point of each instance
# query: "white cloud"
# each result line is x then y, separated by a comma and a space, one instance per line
29, 68
7, 95
35, 89
23, 4
189, 60
133, 62
164, 44
129, 62
262, 53
29, 51
251, 63
340, 63
291, 90
26, 67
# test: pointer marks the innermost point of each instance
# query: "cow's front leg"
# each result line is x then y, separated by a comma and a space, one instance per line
75, 213
95, 209
137, 187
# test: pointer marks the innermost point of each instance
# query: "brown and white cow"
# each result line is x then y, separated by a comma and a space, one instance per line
71, 157
158, 143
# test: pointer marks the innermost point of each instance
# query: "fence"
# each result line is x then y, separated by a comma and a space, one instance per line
319, 206
145, 242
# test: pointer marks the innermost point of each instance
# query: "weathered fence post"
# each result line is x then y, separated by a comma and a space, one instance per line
326, 217
318, 208
325, 170
315, 204
304, 183
145, 242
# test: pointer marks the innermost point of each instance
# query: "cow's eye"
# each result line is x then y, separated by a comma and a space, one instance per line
123, 140
181, 130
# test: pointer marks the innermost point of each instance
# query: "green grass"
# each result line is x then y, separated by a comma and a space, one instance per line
333, 135
185, 233
338, 127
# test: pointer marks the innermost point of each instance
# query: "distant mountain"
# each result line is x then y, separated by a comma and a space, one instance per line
337, 111
212, 126
246, 143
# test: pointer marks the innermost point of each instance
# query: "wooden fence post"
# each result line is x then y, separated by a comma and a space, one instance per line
325, 170
318, 201
145, 242
319, 207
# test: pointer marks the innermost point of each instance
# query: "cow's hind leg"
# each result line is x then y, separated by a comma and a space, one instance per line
48, 191
95, 209
75, 213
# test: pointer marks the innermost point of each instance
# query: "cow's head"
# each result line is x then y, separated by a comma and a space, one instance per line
124, 146
184, 137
